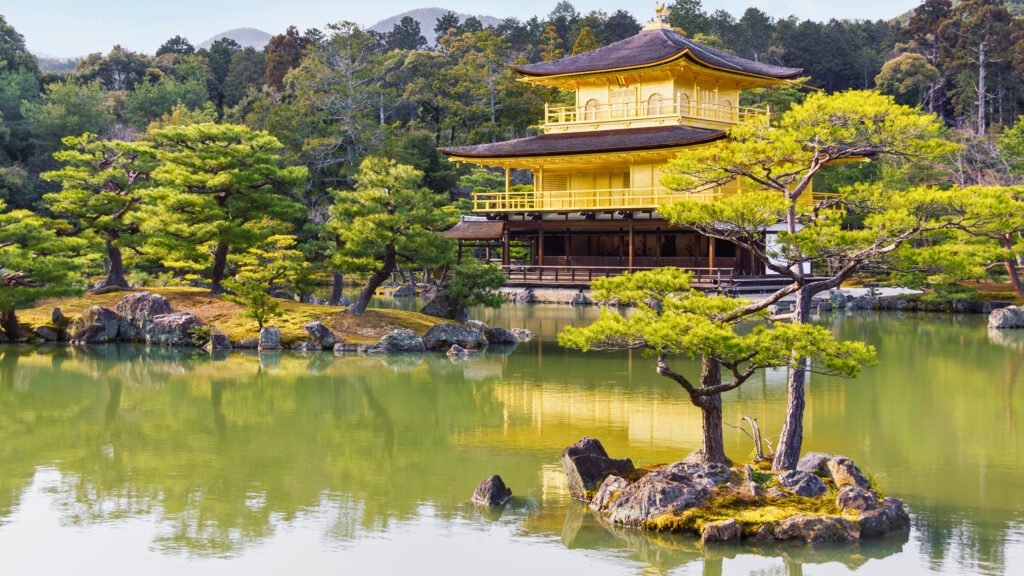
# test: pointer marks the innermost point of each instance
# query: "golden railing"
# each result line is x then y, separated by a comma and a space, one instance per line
648, 110
573, 200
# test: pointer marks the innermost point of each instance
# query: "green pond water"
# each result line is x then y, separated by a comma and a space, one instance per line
122, 460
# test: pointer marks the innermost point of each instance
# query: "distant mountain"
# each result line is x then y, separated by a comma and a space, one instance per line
427, 17
247, 37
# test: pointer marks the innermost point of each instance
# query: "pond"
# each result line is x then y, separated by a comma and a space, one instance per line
135, 461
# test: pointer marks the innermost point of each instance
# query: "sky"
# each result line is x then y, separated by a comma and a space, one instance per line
77, 27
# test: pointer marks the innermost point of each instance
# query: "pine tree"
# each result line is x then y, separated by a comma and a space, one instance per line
584, 42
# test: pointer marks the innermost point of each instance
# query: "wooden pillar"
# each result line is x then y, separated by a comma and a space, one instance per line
540, 244
567, 245
631, 244
505, 246
711, 252
508, 186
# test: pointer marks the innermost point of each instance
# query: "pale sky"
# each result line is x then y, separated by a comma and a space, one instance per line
78, 27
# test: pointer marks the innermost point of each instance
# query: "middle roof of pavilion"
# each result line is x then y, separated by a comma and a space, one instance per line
651, 47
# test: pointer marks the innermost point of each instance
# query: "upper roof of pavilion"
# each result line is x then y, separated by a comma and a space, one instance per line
656, 44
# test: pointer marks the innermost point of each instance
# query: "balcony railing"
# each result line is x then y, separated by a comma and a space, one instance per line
562, 115
609, 199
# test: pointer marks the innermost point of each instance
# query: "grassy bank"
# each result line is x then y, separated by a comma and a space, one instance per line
229, 318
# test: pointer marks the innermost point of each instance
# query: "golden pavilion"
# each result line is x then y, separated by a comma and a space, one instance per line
597, 165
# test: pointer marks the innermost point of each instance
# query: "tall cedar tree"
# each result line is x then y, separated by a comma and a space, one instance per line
101, 188
215, 190
284, 52
389, 218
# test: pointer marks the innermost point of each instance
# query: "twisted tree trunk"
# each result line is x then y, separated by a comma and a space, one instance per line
792, 436
713, 445
376, 279
220, 265
115, 275
337, 287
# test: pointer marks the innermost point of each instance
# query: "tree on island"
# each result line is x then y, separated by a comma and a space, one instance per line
38, 259
673, 319
778, 164
389, 218
216, 188
101, 188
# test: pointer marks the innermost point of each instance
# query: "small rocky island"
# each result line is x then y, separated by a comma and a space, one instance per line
826, 499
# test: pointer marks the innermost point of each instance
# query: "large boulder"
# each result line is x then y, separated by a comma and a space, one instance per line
138, 310
104, 317
322, 335
404, 291
885, 519
670, 490
47, 333
218, 341
845, 473
721, 531
522, 334
586, 464
444, 336
802, 483
500, 336
398, 341
174, 329
90, 334
814, 462
817, 529
441, 306
270, 339
1006, 318
492, 492
837, 298
856, 498
58, 318
608, 492
477, 325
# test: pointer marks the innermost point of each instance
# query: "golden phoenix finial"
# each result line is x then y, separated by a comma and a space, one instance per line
660, 11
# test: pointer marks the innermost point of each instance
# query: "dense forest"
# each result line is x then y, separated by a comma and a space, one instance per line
333, 97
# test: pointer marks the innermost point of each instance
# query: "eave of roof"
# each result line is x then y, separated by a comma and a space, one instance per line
567, 143
476, 230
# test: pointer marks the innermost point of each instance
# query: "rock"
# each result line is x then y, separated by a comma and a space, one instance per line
321, 334
856, 498
802, 483
816, 529
247, 343
443, 336
586, 464
47, 333
824, 306
138, 310
270, 339
308, 346
580, 299
1011, 317
457, 351
766, 533
492, 492
398, 341
218, 341
844, 473
58, 318
90, 334
344, 301
477, 325
500, 336
749, 489
519, 295
992, 305
778, 493
404, 291
608, 491
441, 306
104, 317
885, 519
671, 490
837, 298
522, 334
172, 329
721, 531
814, 462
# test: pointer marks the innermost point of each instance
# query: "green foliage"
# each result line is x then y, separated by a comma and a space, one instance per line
251, 292
473, 283
585, 42
277, 261
150, 101
907, 77
68, 107
1012, 145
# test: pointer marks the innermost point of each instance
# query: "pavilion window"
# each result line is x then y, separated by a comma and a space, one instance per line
590, 109
655, 105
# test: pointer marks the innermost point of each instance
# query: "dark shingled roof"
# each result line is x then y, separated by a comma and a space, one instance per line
589, 142
476, 230
648, 47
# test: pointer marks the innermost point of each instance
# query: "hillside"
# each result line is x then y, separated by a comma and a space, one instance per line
427, 17
247, 37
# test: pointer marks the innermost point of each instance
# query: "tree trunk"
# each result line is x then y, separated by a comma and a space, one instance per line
336, 288
115, 275
9, 323
220, 265
792, 436
1011, 267
376, 279
713, 448
981, 87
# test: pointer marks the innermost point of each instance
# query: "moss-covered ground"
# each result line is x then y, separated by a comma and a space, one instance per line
230, 319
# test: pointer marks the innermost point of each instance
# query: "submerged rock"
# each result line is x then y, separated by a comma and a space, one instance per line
443, 336
608, 491
802, 483
586, 464
814, 462
1011, 317
522, 334
492, 492
670, 490
172, 329
844, 473
721, 531
500, 336
270, 339
398, 341
816, 529
138, 310
321, 334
